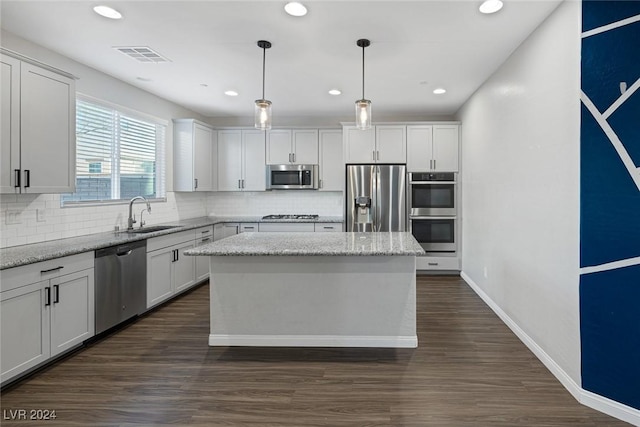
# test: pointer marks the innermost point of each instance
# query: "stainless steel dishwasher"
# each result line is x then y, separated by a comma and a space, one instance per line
121, 283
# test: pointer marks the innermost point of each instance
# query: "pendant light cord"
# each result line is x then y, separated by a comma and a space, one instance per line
363, 71
264, 55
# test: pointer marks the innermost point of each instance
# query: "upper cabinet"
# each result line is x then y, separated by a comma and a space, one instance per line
331, 172
380, 144
241, 160
297, 146
38, 128
195, 152
433, 148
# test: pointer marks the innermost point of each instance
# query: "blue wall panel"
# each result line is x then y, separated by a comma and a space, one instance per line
610, 203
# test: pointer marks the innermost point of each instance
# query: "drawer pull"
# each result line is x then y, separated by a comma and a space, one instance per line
205, 240
433, 263
205, 232
51, 269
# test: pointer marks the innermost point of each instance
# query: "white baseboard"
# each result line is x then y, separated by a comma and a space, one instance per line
587, 398
313, 341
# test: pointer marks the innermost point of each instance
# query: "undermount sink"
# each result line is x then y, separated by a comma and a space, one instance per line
151, 229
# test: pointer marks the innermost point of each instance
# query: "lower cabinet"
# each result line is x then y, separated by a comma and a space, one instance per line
286, 226
204, 235
222, 230
169, 271
46, 308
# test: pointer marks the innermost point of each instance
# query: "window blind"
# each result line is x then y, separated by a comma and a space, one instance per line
118, 155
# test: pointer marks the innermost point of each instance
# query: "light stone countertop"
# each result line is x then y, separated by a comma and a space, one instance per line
312, 244
16, 256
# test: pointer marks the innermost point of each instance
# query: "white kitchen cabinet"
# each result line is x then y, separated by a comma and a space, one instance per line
248, 227
297, 146
331, 166
169, 271
220, 231
380, 144
241, 160
432, 148
46, 308
38, 142
203, 236
195, 155
323, 227
285, 226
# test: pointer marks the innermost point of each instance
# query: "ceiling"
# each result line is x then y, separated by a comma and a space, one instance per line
416, 46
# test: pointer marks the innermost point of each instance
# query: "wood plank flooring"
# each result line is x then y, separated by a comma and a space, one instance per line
469, 370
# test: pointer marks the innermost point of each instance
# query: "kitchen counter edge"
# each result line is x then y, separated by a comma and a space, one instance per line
16, 256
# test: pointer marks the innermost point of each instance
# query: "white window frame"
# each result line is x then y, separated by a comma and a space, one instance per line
160, 156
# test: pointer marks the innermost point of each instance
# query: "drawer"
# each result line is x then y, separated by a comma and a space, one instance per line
12, 278
249, 227
437, 263
327, 226
204, 232
173, 239
286, 226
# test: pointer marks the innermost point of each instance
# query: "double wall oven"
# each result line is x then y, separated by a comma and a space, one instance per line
432, 210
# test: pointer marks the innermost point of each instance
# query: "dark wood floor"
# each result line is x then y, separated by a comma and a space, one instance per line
469, 370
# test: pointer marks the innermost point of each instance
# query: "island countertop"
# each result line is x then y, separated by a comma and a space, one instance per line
312, 244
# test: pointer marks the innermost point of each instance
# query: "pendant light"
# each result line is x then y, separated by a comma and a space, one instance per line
363, 106
263, 106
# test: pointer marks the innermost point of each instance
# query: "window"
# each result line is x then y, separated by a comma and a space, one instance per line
119, 154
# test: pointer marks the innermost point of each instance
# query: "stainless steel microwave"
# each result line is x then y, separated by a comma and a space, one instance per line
292, 177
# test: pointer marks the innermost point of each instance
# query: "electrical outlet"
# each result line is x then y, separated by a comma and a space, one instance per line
13, 217
41, 215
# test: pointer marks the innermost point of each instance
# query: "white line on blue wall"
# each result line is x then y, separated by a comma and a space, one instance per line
634, 171
611, 265
634, 87
611, 26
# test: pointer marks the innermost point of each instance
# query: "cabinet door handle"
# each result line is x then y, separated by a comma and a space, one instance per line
434, 164
294, 157
319, 183
378, 155
56, 294
47, 296
27, 178
51, 269
374, 155
243, 183
196, 183
239, 183
17, 178
177, 254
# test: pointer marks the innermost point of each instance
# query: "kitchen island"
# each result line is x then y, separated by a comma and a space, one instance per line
313, 289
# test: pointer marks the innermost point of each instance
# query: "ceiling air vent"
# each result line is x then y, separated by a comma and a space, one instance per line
142, 53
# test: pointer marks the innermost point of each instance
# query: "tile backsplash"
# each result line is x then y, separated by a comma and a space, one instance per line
276, 202
33, 218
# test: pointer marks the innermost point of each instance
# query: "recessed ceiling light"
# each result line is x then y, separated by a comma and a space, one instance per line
335, 92
424, 82
439, 91
231, 93
107, 12
144, 79
491, 6
204, 85
295, 9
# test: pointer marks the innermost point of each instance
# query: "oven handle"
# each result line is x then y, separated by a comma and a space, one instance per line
411, 218
430, 182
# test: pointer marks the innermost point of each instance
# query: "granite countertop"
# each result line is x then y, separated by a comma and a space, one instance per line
312, 244
16, 256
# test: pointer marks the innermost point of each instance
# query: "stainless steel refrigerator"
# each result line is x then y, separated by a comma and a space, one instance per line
376, 198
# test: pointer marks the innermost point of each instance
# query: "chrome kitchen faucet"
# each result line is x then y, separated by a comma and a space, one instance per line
131, 219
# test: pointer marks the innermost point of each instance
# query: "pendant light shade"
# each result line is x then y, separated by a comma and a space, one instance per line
363, 106
262, 111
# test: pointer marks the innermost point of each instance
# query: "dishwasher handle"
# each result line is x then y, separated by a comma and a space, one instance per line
124, 252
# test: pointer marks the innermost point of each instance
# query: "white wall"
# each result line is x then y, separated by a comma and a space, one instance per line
69, 222
520, 180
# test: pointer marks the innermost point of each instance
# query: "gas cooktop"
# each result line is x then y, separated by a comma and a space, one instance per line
290, 217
